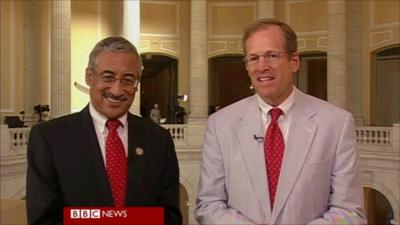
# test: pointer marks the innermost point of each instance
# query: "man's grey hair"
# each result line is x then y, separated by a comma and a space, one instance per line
263, 23
114, 44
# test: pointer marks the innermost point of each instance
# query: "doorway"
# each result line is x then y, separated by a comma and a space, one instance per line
312, 75
159, 85
386, 85
377, 208
228, 80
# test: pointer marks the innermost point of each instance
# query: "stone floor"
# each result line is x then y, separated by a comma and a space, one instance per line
13, 212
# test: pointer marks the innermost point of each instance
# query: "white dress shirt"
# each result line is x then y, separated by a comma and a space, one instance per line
99, 122
284, 120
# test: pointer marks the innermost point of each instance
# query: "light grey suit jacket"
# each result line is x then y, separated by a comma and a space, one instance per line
319, 181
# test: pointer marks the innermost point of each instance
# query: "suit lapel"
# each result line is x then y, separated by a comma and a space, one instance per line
250, 124
93, 163
92, 160
300, 137
137, 154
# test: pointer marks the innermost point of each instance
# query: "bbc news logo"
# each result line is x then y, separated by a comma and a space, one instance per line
113, 215
97, 213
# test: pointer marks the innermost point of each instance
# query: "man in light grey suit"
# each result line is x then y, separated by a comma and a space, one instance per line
318, 181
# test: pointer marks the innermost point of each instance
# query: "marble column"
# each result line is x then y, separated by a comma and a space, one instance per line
344, 56
32, 63
198, 60
60, 58
265, 9
336, 52
354, 68
116, 18
198, 96
131, 31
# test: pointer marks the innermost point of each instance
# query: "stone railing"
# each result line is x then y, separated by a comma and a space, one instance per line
179, 133
14, 141
19, 137
379, 138
13, 146
374, 135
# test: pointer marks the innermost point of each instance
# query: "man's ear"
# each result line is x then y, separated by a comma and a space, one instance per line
247, 68
295, 62
89, 76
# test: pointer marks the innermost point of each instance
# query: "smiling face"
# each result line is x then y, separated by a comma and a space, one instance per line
113, 99
272, 81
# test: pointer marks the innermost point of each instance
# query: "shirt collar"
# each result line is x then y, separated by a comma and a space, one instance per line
285, 106
99, 120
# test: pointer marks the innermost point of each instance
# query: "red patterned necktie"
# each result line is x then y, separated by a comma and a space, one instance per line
273, 150
116, 163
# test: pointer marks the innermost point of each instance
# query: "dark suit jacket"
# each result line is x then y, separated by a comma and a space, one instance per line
66, 168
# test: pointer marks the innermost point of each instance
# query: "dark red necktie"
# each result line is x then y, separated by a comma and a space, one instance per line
274, 146
116, 163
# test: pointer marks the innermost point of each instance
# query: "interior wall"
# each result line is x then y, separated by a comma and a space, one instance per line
225, 25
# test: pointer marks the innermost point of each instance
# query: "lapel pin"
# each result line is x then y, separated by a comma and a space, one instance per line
139, 151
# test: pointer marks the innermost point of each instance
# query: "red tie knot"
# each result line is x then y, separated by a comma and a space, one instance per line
112, 124
275, 113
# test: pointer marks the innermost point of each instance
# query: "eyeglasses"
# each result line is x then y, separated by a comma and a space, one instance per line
270, 57
126, 81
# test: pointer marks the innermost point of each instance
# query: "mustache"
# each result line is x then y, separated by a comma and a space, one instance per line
115, 97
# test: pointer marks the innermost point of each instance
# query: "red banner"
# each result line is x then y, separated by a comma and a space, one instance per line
113, 216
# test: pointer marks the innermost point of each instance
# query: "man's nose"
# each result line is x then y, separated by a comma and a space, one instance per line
117, 87
262, 64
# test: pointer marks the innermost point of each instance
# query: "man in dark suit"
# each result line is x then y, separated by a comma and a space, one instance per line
79, 160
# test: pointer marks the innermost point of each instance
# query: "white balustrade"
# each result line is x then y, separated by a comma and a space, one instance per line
14, 141
380, 136
372, 136
178, 132
19, 139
